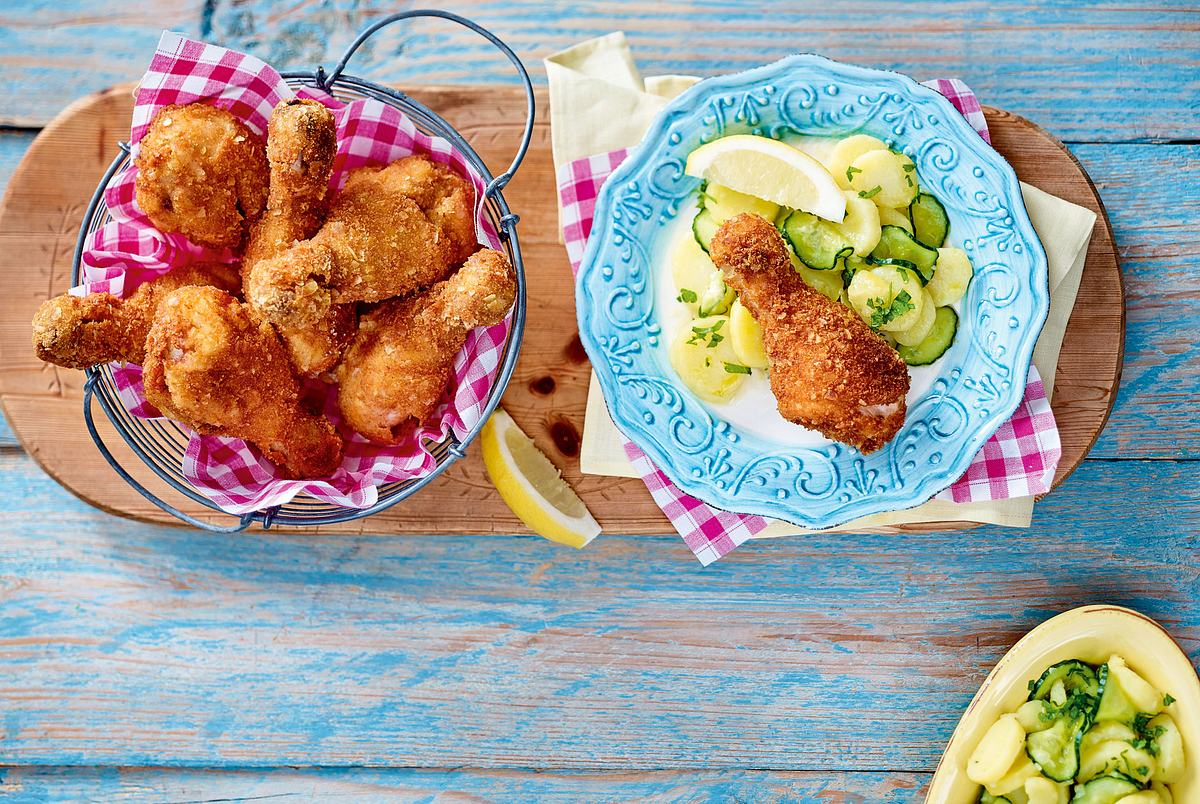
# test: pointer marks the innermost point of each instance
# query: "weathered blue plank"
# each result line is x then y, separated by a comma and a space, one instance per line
1067, 65
368, 785
124, 644
1154, 216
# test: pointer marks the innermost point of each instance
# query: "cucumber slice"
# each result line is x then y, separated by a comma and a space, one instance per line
704, 226
930, 224
717, 297
1104, 790
945, 325
1075, 675
1056, 749
817, 243
897, 244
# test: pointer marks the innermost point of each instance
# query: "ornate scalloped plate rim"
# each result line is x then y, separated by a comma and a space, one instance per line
935, 479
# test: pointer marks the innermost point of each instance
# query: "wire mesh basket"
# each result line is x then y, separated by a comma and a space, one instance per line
161, 443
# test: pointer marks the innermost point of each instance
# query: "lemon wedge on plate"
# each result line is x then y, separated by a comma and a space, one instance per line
772, 170
531, 486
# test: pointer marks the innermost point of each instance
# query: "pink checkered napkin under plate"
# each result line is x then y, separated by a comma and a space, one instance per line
1017, 461
128, 250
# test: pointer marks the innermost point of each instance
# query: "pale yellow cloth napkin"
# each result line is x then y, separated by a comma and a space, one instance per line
599, 102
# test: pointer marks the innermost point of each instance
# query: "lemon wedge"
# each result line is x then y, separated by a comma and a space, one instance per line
771, 170
531, 486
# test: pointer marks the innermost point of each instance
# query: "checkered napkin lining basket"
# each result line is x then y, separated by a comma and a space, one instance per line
161, 443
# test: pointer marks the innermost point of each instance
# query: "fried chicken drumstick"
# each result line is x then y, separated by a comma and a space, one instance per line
82, 331
402, 359
390, 232
203, 173
829, 371
210, 366
301, 145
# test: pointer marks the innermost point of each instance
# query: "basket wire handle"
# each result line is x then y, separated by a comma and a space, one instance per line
89, 389
500, 181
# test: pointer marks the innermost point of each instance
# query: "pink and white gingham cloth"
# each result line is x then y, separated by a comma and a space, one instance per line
1019, 460
128, 250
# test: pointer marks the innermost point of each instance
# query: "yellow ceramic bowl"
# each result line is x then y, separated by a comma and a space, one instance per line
1090, 633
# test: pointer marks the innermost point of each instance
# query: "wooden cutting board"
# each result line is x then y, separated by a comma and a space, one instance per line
48, 193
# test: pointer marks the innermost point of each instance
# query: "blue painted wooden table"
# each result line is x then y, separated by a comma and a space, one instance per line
148, 663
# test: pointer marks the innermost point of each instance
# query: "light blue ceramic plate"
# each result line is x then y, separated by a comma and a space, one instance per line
978, 383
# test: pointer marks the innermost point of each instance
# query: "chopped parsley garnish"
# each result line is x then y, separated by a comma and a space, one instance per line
1168, 699
882, 312
909, 167
874, 191
736, 368
908, 179
1147, 736
1143, 770
850, 171
709, 333
685, 295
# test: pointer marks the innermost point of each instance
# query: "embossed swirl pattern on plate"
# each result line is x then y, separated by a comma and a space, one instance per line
983, 375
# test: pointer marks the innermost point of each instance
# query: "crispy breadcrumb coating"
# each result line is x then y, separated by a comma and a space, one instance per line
829, 371
201, 172
301, 146
402, 359
82, 331
210, 366
390, 232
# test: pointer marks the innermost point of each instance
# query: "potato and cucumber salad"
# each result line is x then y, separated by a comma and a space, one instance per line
1089, 734
885, 257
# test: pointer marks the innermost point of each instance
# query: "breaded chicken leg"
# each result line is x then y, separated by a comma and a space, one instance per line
390, 232
210, 366
829, 371
402, 359
203, 173
301, 145
82, 331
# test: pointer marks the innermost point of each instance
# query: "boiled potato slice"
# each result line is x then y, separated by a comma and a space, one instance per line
1045, 791
866, 290
692, 271
903, 280
746, 336
1106, 730
999, 748
1022, 770
699, 354
846, 151
920, 330
1030, 712
861, 225
884, 177
1144, 797
1171, 760
1139, 691
1163, 792
951, 275
726, 203
1115, 755
890, 216
827, 283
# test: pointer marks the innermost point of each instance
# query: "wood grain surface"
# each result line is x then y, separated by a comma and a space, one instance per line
517, 670
369, 785
1109, 71
825, 653
45, 202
